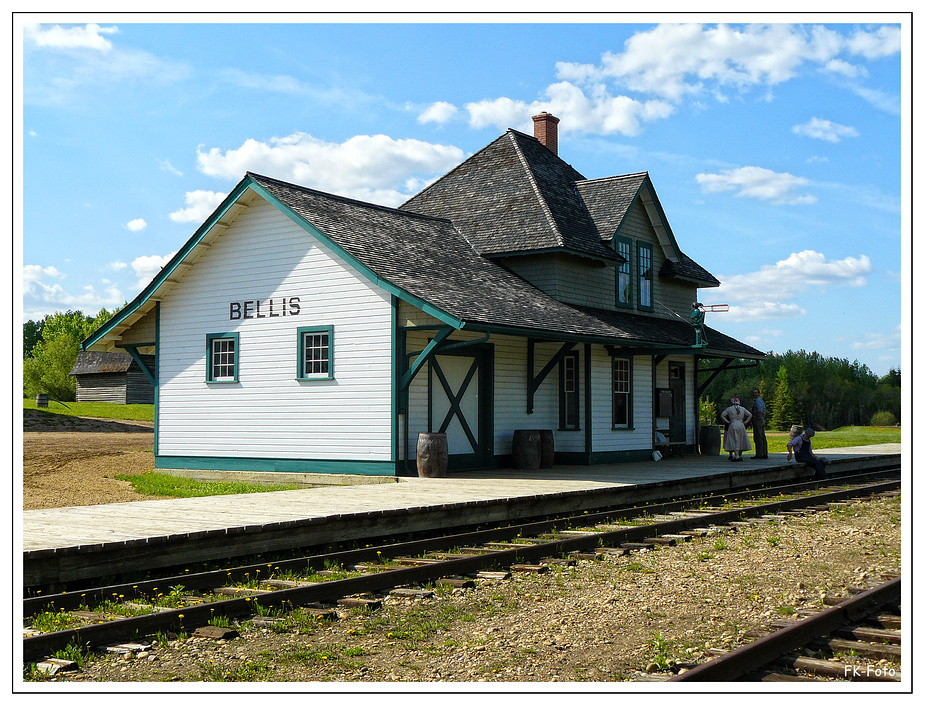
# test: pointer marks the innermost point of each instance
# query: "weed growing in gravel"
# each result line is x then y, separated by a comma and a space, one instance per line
50, 621
661, 650
258, 670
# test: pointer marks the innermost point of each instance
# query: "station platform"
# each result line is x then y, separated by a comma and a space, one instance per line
76, 543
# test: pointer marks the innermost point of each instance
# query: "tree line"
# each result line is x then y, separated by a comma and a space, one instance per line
810, 390
798, 387
50, 348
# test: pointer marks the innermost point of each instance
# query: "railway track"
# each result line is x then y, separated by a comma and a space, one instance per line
865, 626
110, 614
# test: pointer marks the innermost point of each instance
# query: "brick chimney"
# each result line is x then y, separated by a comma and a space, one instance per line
545, 129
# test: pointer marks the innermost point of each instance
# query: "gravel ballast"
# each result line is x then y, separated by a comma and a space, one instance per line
618, 619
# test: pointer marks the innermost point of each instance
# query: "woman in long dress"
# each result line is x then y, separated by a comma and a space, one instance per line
736, 439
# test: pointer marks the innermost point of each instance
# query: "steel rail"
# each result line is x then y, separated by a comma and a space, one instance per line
751, 657
193, 616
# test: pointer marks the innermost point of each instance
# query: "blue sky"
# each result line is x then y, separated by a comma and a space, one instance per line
775, 149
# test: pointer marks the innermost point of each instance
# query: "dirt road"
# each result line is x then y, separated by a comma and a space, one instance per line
71, 461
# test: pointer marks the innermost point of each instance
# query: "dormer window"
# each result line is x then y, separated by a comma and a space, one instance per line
644, 260
624, 275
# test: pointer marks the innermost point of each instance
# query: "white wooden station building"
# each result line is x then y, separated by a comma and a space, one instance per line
300, 331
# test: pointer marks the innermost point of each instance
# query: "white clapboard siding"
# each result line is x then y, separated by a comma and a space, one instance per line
639, 435
510, 393
268, 413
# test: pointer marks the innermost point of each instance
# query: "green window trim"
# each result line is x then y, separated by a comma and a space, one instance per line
623, 284
569, 393
621, 387
223, 353
315, 353
645, 279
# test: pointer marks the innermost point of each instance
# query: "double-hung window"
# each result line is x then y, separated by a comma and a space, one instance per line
644, 267
316, 353
568, 393
222, 355
622, 384
624, 293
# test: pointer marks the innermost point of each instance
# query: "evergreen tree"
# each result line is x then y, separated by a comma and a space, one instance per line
783, 409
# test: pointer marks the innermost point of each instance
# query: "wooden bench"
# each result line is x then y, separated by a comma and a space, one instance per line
668, 448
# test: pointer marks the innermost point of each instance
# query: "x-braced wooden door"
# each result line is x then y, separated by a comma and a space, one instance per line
460, 405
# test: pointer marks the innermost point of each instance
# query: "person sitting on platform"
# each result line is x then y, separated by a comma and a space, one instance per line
801, 446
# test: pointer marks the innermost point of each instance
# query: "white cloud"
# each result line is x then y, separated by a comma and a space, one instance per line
759, 183
146, 268
595, 111
764, 294
40, 298
34, 273
199, 206
880, 340
439, 112
168, 167
368, 167
824, 130
68, 66
117, 266
136, 225
754, 311
885, 41
676, 60
57, 37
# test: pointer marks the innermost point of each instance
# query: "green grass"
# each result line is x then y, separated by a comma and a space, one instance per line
841, 437
99, 410
164, 485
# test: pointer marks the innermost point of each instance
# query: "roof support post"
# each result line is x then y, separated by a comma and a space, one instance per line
534, 382
132, 350
424, 356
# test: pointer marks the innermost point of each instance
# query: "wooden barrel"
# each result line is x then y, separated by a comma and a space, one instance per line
526, 449
710, 440
547, 448
41, 400
433, 455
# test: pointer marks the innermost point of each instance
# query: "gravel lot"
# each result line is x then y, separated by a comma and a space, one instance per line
69, 461
598, 621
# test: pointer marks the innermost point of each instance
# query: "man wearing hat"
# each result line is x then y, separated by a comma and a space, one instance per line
801, 446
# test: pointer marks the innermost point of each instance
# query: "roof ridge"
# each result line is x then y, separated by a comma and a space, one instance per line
344, 199
457, 167
560, 238
644, 173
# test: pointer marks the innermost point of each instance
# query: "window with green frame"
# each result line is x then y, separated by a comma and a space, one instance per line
624, 274
622, 386
316, 353
645, 277
569, 406
222, 355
